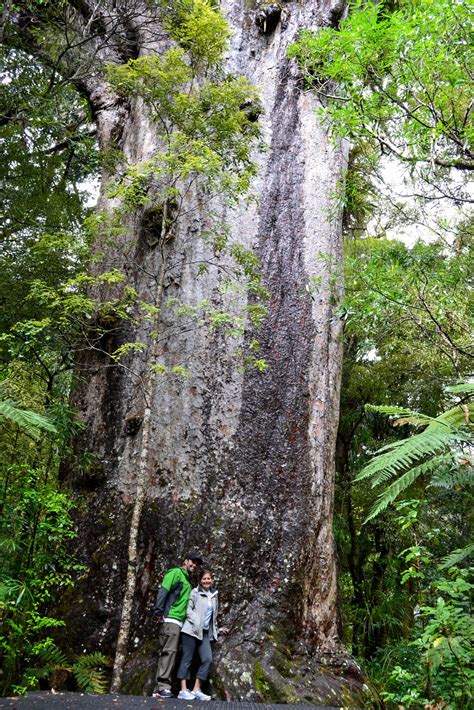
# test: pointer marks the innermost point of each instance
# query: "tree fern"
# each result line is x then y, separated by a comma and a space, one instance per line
436, 451
24, 418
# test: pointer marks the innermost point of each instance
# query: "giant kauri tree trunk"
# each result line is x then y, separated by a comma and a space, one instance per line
241, 462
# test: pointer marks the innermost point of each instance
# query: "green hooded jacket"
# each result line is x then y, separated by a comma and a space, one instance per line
173, 595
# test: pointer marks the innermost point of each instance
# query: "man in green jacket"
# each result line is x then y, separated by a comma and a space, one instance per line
170, 612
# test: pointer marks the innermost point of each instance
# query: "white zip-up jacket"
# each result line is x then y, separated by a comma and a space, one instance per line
197, 607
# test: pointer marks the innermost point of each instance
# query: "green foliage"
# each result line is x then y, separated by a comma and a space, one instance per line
204, 128
36, 527
200, 28
396, 353
401, 299
429, 662
48, 149
440, 667
457, 556
441, 446
394, 78
444, 632
201, 119
31, 421
47, 662
398, 77
89, 672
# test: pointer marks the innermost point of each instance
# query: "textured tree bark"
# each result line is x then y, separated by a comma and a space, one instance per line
241, 463
142, 475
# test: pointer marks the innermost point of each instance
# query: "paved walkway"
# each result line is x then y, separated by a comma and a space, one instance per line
82, 701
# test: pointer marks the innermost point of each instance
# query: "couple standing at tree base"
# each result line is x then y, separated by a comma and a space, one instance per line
189, 615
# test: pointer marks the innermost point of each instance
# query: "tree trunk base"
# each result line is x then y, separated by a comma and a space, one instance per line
327, 680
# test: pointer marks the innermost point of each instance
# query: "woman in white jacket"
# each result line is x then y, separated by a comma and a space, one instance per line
199, 629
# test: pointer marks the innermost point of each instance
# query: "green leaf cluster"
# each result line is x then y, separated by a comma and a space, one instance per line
200, 28
401, 299
439, 668
204, 128
400, 76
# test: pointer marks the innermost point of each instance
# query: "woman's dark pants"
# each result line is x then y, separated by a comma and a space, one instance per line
205, 654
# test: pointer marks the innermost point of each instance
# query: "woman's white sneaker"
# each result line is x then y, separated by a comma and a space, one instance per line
199, 695
187, 695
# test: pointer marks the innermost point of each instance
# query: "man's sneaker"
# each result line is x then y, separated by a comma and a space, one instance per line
165, 693
186, 695
199, 695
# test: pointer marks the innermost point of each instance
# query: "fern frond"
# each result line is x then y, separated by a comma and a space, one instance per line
403, 416
419, 436
401, 484
24, 418
458, 415
432, 451
457, 556
453, 477
394, 460
48, 654
461, 388
392, 411
48, 658
89, 672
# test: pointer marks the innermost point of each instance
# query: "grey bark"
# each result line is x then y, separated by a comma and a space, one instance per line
142, 474
239, 464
